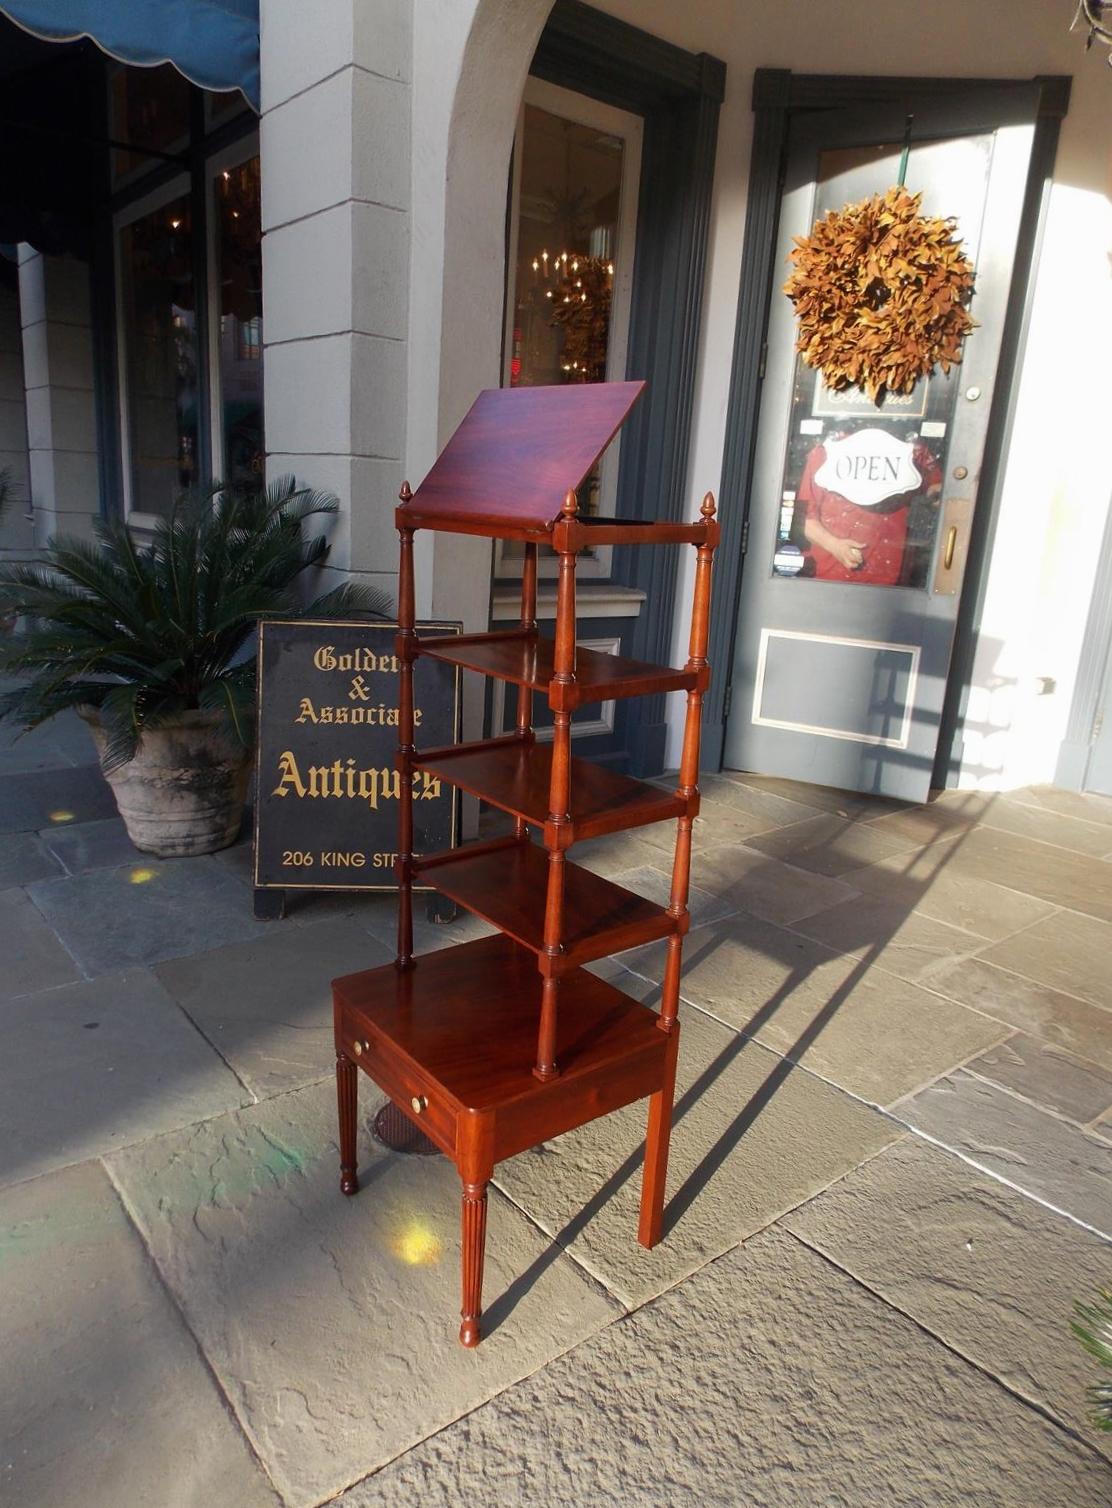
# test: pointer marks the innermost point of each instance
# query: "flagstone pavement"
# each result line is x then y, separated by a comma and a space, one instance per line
891, 1175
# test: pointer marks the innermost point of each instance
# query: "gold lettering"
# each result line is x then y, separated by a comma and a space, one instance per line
291, 776
325, 658
307, 712
342, 714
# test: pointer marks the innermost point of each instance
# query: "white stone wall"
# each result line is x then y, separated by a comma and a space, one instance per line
15, 527
58, 375
334, 134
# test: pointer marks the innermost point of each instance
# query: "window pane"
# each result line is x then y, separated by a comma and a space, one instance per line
569, 202
159, 355
239, 271
571, 180
150, 108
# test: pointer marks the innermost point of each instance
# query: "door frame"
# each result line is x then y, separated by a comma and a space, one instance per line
678, 94
778, 96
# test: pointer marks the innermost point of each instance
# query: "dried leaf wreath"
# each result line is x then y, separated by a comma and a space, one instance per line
880, 293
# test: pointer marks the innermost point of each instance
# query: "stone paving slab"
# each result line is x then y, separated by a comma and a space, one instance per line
1049, 873
1048, 1076
332, 1323
903, 942
33, 958
81, 846
769, 1380
929, 882
1038, 1153
1068, 951
381, 922
987, 1271
24, 858
1025, 821
858, 1026
656, 886
52, 797
267, 1004
93, 1066
830, 844
104, 1401
772, 804
141, 914
751, 1138
746, 880
62, 743
1061, 1019
1083, 804
823, 798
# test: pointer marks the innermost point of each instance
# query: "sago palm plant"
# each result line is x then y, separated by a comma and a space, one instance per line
1093, 1328
145, 633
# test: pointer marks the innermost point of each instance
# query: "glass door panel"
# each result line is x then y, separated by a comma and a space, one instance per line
573, 213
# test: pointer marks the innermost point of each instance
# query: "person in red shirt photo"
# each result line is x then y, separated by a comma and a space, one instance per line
850, 542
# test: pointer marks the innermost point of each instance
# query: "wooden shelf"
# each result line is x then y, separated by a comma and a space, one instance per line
417, 1030
529, 662
516, 776
496, 1045
507, 887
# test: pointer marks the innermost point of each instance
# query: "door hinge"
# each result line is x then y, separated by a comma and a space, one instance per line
1098, 727
727, 701
762, 362
745, 534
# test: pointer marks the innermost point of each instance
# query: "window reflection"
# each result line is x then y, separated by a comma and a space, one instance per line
239, 274
571, 180
159, 340
150, 108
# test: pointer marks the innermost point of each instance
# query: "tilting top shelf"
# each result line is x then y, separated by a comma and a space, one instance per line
519, 451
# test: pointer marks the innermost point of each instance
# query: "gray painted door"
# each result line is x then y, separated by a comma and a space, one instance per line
860, 514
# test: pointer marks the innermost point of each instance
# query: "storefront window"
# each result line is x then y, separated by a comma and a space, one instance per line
576, 166
158, 350
149, 108
238, 273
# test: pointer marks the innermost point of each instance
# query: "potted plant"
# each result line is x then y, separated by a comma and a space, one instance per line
1093, 1328
151, 645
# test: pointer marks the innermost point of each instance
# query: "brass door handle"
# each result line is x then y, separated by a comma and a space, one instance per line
949, 565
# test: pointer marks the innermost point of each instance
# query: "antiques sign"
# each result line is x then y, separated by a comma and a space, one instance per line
326, 799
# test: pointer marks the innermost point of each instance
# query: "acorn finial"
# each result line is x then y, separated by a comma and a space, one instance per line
571, 504
707, 510
405, 494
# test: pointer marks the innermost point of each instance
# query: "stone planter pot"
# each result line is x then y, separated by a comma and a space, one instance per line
183, 793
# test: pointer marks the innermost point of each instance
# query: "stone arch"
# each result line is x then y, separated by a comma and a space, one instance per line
500, 45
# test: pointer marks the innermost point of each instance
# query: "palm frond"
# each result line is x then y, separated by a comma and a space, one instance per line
146, 632
1093, 1328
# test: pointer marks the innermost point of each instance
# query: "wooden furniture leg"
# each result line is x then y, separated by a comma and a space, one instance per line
347, 1101
473, 1220
650, 1226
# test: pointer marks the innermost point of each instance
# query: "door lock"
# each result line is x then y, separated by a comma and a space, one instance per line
960, 473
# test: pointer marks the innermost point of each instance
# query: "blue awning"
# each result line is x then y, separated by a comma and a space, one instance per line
214, 43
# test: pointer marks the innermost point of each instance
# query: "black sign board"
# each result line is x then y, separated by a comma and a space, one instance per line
326, 798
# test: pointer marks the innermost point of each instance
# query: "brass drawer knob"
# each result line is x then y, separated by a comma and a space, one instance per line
418, 1103
357, 1048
